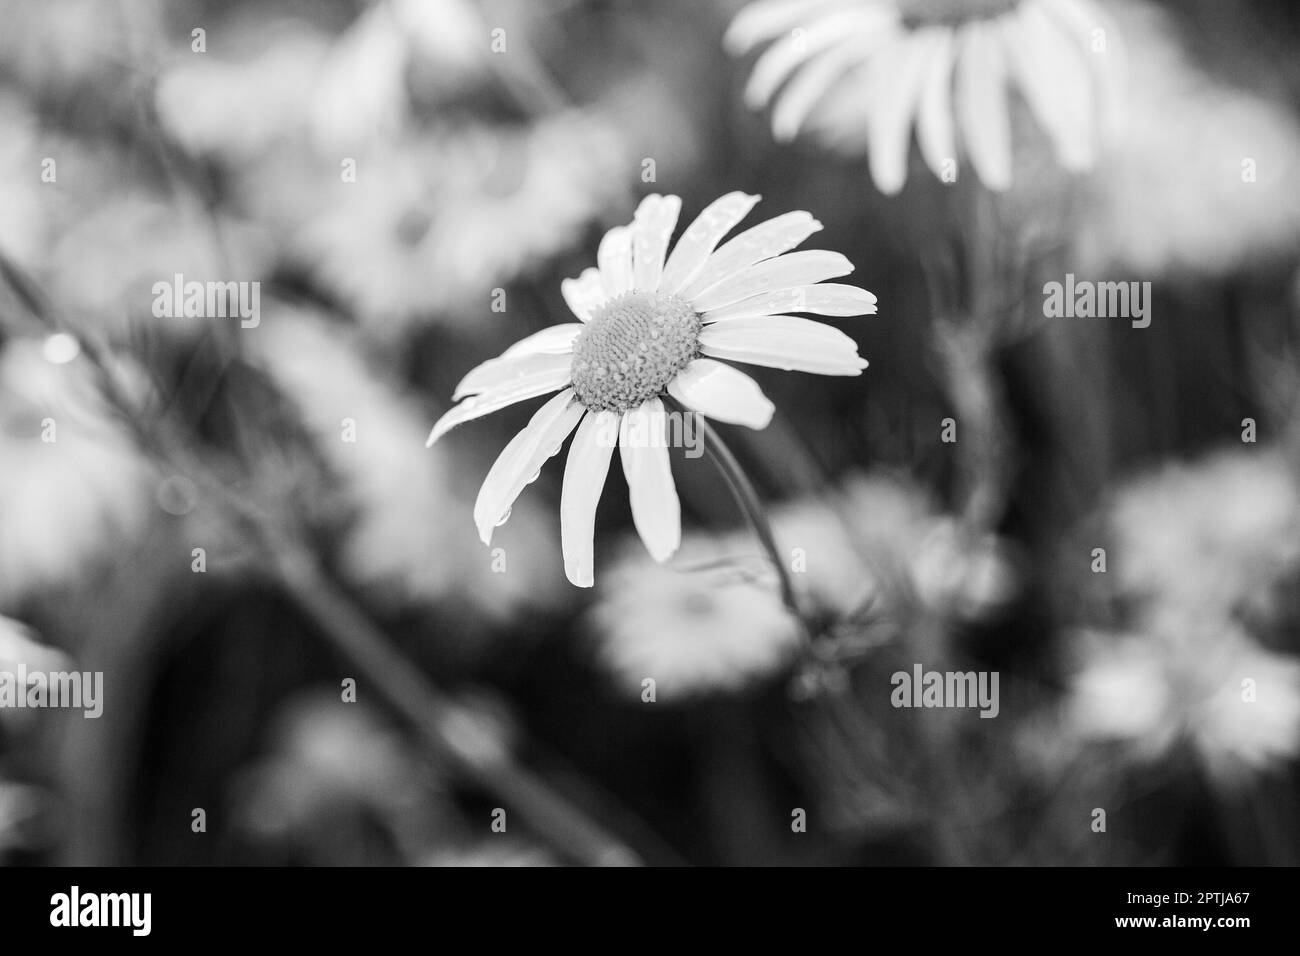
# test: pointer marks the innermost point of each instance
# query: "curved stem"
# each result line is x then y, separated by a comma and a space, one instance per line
743, 491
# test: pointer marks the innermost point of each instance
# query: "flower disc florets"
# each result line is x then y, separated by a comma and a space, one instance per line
634, 345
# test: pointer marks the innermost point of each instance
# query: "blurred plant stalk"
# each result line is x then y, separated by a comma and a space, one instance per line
268, 525
975, 303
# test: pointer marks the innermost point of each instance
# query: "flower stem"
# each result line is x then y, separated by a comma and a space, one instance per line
743, 491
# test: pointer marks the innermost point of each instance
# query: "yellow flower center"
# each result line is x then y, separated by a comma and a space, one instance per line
952, 12
634, 345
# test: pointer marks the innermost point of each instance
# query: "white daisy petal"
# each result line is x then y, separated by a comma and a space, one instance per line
584, 479
795, 268
652, 227
1054, 79
894, 84
585, 294
763, 241
1086, 21
935, 133
982, 107
765, 20
543, 377
721, 392
786, 342
643, 447
827, 298
806, 45
507, 369
614, 256
521, 461
554, 340
702, 237
801, 95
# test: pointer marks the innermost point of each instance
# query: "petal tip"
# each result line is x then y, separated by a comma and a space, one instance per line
663, 555
578, 579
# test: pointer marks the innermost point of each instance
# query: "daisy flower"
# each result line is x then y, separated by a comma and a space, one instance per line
878, 66
717, 628
651, 323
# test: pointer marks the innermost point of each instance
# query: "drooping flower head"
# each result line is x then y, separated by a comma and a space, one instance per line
849, 68
649, 324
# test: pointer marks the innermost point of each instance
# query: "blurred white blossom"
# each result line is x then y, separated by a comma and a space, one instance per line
1205, 534
341, 95
327, 766
693, 630
237, 109
73, 489
432, 227
103, 268
860, 73
1191, 680
58, 45
963, 574
857, 544
1203, 179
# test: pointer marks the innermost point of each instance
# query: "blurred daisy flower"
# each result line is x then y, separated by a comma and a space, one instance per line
854, 68
712, 622
103, 267
1209, 533
1190, 134
74, 489
329, 774
969, 576
650, 323
71, 45
1193, 680
715, 628
434, 225
856, 546
236, 109
342, 95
